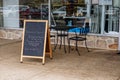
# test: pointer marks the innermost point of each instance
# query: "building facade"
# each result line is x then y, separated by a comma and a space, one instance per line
104, 20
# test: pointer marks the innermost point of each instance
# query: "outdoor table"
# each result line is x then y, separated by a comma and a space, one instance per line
62, 32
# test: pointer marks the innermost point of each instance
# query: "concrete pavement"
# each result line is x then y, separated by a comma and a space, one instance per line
94, 65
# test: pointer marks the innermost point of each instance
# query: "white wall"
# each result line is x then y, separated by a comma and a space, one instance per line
11, 15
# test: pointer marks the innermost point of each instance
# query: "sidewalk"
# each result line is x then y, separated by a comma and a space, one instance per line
94, 65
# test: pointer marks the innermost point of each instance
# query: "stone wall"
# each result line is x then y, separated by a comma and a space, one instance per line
11, 33
93, 41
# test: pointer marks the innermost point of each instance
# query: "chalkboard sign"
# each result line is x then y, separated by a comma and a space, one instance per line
34, 39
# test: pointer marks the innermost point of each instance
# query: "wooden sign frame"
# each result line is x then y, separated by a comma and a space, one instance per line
46, 41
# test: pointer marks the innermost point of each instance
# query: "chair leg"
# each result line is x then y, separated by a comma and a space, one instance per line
56, 44
67, 42
77, 48
69, 45
64, 45
86, 46
60, 40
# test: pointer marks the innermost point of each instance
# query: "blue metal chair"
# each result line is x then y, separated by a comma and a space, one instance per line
80, 35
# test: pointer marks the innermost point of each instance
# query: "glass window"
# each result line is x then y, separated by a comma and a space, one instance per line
35, 9
9, 13
111, 17
13, 13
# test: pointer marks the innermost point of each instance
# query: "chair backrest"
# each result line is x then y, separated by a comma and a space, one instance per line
80, 22
59, 21
83, 27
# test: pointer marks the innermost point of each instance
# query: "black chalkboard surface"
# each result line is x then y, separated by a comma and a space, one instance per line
34, 39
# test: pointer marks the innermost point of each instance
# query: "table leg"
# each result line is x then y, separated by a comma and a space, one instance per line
56, 42
64, 44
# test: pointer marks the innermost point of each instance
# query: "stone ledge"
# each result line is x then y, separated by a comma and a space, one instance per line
93, 41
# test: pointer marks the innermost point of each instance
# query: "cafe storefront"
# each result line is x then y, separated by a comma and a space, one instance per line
103, 18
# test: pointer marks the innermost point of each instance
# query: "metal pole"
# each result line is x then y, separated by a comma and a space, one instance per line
88, 7
49, 15
103, 19
119, 38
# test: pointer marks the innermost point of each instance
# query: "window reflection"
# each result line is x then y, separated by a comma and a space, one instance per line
33, 10
13, 13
